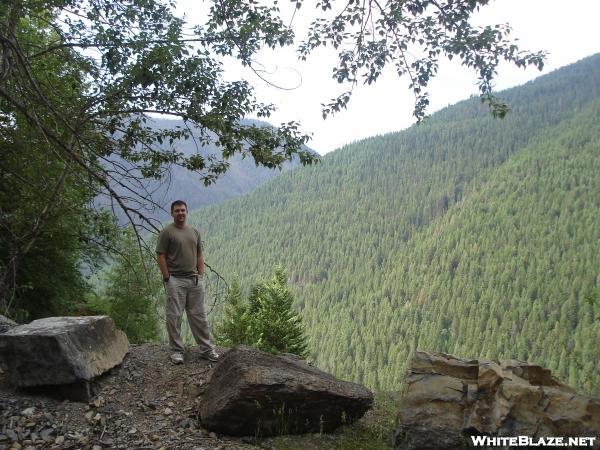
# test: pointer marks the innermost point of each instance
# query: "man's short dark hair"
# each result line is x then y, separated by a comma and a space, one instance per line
177, 203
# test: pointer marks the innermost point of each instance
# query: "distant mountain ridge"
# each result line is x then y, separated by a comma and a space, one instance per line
242, 176
466, 234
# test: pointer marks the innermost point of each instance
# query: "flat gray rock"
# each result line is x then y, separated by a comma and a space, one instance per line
252, 393
6, 324
61, 350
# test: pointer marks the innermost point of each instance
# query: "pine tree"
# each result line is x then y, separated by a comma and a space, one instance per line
267, 320
234, 328
132, 294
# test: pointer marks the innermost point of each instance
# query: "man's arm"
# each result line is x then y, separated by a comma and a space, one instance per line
200, 264
162, 265
200, 258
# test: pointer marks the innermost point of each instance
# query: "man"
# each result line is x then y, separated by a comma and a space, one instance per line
181, 262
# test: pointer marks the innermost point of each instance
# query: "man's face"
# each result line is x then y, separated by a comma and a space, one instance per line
179, 214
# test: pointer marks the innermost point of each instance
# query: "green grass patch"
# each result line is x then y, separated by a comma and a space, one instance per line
373, 432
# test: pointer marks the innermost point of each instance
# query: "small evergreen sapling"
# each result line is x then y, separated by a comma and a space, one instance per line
234, 327
266, 321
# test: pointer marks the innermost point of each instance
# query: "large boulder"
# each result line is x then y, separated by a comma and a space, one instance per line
61, 350
258, 394
6, 324
447, 400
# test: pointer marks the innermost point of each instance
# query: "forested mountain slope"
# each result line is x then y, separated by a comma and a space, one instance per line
466, 234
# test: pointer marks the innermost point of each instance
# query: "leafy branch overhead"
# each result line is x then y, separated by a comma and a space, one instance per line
121, 60
412, 35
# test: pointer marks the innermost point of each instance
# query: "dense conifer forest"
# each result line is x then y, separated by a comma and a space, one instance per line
466, 234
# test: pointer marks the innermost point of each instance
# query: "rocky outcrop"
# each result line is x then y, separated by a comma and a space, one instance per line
61, 350
446, 400
6, 324
258, 394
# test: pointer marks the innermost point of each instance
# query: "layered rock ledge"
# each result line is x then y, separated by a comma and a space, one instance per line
447, 399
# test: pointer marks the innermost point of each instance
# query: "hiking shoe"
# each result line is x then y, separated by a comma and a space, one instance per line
211, 355
177, 358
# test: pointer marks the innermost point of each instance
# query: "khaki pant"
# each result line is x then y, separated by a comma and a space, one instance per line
188, 294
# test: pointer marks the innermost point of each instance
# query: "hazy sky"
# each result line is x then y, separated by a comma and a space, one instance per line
569, 31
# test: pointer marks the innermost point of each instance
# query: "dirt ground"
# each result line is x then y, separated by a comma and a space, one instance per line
145, 403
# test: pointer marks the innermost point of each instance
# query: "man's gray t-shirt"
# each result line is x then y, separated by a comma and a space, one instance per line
181, 247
